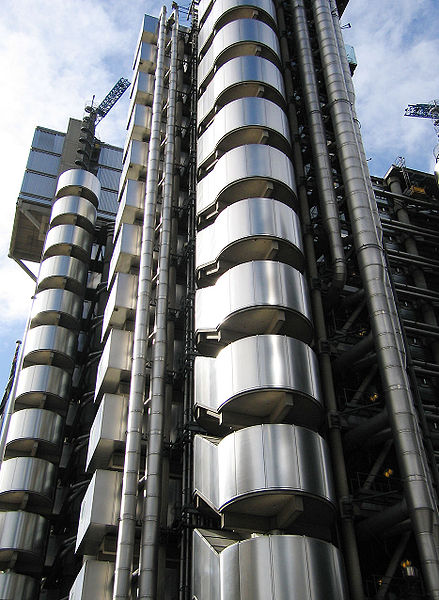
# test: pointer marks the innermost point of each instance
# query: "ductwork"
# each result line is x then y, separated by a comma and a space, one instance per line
382, 309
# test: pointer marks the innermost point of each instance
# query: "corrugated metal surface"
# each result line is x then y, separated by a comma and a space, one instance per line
43, 162
38, 185
108, 202
111, 157
109, 178
52, 141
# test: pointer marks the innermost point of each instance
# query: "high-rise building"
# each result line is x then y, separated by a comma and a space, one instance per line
228, 391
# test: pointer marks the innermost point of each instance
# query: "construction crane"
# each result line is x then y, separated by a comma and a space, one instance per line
426, 111
109, 101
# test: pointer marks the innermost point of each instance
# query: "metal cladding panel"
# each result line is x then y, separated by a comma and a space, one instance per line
126, 251
36, 184
43, 386
243, 121
139, 124
56, 307
50, 344
249, 171
22, 541
121, 303
205, 569
142, 90
259, 461
98, 518
94, 580
32, 425
261, 285
43, 162
29, 482
244, 373
131, 203
67, 240
136, 160
238, 38
224, 11
109, 156
242, 76
73, 210
77, 182
46, 139
108, 431
14, 586
115, 363
146, 58
63, 272
251, 229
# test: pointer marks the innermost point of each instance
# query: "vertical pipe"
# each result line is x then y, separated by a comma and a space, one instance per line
127, 523
382, 309
149, 550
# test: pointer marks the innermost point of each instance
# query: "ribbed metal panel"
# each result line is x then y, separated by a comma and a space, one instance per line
262, 378
27, 483
57, 307
14, 586
273, 474
50, 345
256, 228
253, 298
36, 431
63, 272
73, 210
22, 541
239, 78
43, 386
243, 121
77, 182
67, 240
248, 171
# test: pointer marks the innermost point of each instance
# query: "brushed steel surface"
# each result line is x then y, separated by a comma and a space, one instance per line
14, 586
35, 431
27, 483
43, 386
131, 204
251, 229
67, 240
115, 363
126, 252
257, 470
98, 519
22, 541
256, 376
239, 38
266, 567
108, 432
63, 272
252, 298
121, 303
73, 210
77, 182
249, 171
50, 345
146, 57
139, 123
56, 307
142, 90
136, 159
225, 11
94, 580
243, 121
241, 77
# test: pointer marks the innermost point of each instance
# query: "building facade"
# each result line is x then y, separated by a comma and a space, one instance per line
228, 389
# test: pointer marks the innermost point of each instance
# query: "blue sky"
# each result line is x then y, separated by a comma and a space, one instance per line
55, 54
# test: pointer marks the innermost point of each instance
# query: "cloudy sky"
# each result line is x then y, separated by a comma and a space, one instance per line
55, 54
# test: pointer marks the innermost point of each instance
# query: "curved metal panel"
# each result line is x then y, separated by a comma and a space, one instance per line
243, 121
252, 298
121, 303
131, 204
56, 307
263, 378
43, 386
241, 77
239, 38
246, 172
251, 229
50, 345
67, 240
63, 272
73, 210
27, 482
126, 252
32, 426
77, 182
260, 470
115, 363
225, 11
22, 541
14, 586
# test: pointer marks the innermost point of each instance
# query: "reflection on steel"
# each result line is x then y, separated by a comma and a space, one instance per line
22, 541
78, 182
63, 272
67, 240
14, 585
50, 345
35, 431
73, 210
57, 307
27, 483
43, 386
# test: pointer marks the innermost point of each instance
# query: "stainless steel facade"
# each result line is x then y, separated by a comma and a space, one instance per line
230, 392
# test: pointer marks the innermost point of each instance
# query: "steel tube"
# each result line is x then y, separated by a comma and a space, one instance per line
127, 523
149, 550
382, 309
